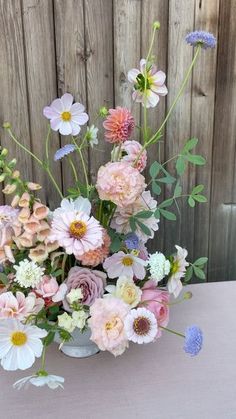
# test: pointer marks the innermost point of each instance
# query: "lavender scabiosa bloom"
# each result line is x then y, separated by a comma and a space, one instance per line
193, 340
64, 151
132, 241
205, 39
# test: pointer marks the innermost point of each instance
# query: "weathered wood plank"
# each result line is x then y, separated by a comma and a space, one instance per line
41, 84
202, 120
156, 10
99, 56
222, 227
181, 21
13, 104
71, 66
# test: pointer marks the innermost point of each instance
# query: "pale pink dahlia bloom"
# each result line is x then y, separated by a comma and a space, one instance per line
120, 221
155, 86
178, 269
120, 183
77, 232
65, 117
19, 307
124, 264
130, 151
118, 125
107, 324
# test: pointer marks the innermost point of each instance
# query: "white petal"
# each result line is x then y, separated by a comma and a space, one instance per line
132, 75
65, 128
80, 119
57, 105
152, 99
56, 123
50, 112
159, 78
83, 205
67, 100
25, 357
75, 128
77, 108
160, 90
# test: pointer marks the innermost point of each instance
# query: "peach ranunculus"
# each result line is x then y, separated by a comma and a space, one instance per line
120, 183
107, 324
156, 301
18, 306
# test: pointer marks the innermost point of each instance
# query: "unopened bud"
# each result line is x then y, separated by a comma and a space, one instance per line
12, 163
103, 111
15, 201
6, 125
2, 177
16, 174
33, 186
188, 295
156, 25
4, 152
9, 189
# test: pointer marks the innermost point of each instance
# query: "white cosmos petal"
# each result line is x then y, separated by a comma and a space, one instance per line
67, 100
57, 105
80, 119
159, 78
83, 205
132, 75
36, 346
65, 128
50, 113
9, 362
77, 108
5, 348
25, 357
56, 123
160, 90
75, 128
152, 99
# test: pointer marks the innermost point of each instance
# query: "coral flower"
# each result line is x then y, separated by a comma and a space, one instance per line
118, 125
65, 117
96, 256
148, 95
120, 183
77, 232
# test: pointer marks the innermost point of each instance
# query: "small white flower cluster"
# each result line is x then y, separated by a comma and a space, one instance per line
69, 323
28, 273
159, 266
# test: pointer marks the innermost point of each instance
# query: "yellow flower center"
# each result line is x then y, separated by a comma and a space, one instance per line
78, 229
66, 116
127, 261
111, 324
175, 267
141, 326
18, 338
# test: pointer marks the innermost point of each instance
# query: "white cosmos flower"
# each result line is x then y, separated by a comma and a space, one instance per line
141, 326
19, 344
65, 117
52, 381
124, 264
92, 135
28, 273
178, 269
80, 204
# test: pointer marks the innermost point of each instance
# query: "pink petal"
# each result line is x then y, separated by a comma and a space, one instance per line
132, 75
77, 108
50, 112
80, 119
55, 123
152, 99
142, 64
160, 90
57, 106
65, 128
159, 78
67, 100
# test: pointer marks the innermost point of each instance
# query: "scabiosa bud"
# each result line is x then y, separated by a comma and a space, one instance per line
64, 151
193, 340
132, 241
202, 38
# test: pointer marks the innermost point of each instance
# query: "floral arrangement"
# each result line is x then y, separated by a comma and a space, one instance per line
85, 264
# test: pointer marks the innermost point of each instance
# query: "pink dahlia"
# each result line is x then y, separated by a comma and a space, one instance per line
120, 183
96, 256
77, 232
130, 151
91, 283
118, 125
107, 324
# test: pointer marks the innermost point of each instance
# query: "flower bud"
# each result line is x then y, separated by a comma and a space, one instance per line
9, 189
6, 125
2, 177
4, 152
156, 25
103, 111
33, 186
188, 295
16, 174
12, 163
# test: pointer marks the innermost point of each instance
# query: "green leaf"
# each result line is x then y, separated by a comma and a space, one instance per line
188, 274
180, 165
201, 261
191, 202
196, 159
168, 215
199, 272
156, 188
57, 273
3, 279
49, 338
190, 144
200, 198
166, 203
154, 169
115, 244
132, 223
144, 228
197, 189
166, 179
144, 214
177, 190
54, 310
157, 214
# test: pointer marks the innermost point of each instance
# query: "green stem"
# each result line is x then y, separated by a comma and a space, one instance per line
47, 145
63, 266
73, 169
53, 181
172, 331
83, 163
43, 358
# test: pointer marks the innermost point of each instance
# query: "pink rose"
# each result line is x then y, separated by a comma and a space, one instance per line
91, 283
156, 301
49, 289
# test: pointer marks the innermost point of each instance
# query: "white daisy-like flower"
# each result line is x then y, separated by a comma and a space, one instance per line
80, 204
178, 269
40, 380
141, 326
159, 266
28, 273
92, 135
65, 116
19, 344
124, 264
126, 290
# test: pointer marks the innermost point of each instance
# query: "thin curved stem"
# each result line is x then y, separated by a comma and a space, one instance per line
83, 163
73, 168
172, 331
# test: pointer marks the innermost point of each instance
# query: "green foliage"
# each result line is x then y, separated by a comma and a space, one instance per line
135, 222
186, 157
165, 177
196, 268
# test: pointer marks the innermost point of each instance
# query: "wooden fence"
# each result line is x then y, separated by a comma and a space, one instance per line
86, 47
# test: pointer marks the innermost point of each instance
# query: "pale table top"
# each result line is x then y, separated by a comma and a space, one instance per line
156, 381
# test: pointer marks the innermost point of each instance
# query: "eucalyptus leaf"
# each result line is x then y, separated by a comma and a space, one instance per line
154, 169
144, 228
197, 189
144, 214
166, 203
115, 244
157, 214
132, 223
177, 190
188, 274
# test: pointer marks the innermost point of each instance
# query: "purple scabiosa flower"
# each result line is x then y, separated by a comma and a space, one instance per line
62, 152
193, 340
205, 39
132, 241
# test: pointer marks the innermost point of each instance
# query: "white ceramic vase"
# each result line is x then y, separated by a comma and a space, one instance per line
80, 346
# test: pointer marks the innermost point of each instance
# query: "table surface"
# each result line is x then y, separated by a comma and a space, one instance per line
155, 381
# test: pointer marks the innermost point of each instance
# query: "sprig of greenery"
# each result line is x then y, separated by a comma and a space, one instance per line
197, 269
